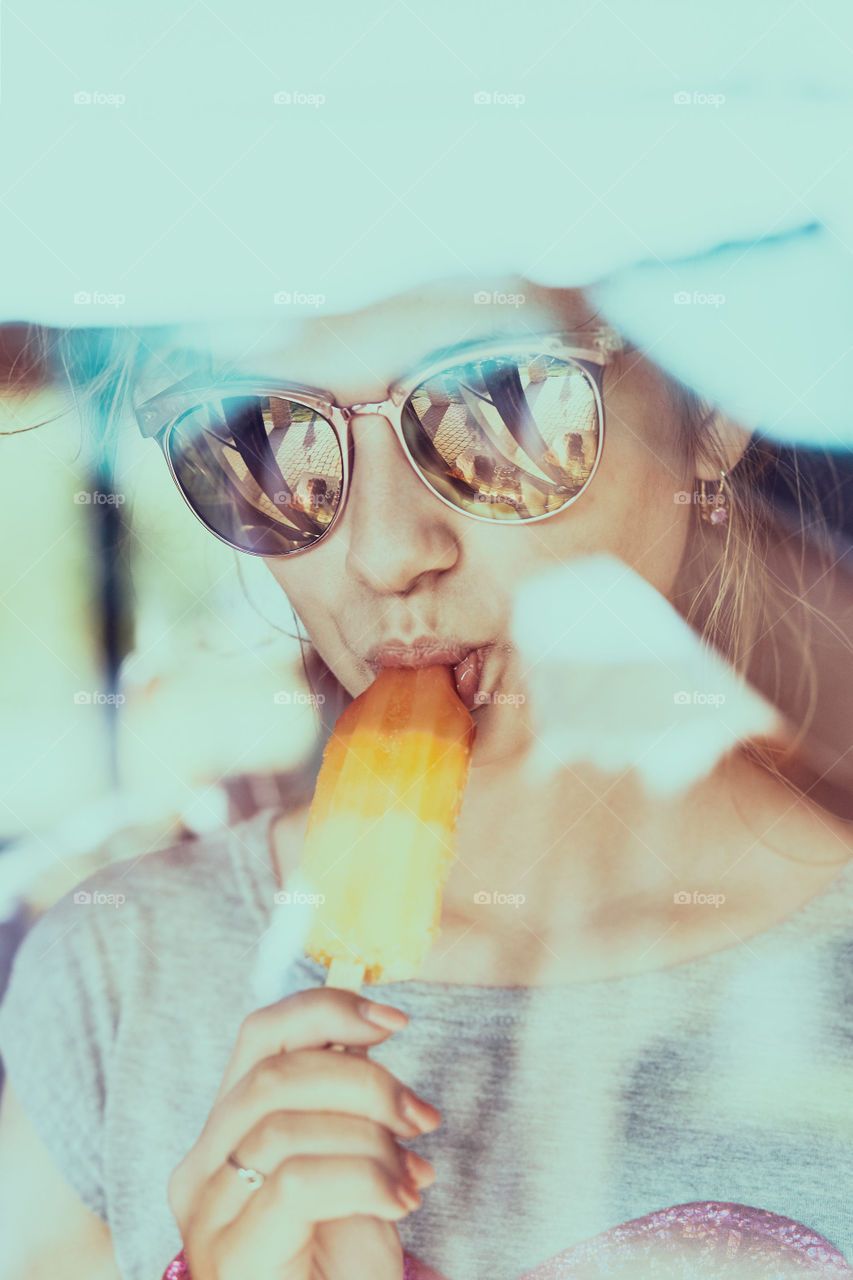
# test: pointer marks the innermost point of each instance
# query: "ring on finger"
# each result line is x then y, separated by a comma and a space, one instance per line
251, 1177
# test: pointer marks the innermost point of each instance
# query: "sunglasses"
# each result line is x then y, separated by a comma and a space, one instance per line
509, 430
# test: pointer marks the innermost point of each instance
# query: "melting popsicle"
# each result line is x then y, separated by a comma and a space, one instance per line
379, 841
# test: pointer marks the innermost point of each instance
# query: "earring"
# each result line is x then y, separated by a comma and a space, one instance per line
712, 501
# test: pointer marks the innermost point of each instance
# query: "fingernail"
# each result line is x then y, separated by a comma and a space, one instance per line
419, 1169
420, 1113
383, 1015
408, 1197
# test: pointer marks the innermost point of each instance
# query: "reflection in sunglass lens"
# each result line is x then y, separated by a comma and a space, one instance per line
263, 472
510, 438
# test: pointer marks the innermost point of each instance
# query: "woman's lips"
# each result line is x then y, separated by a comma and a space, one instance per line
466, 662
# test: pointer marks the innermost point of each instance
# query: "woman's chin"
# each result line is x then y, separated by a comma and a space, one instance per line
503, 735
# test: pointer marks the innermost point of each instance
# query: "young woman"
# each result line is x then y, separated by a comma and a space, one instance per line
603, 1080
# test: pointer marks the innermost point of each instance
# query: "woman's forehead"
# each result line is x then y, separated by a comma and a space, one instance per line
356, 354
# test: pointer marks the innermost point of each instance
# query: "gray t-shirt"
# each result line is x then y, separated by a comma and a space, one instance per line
566, 1110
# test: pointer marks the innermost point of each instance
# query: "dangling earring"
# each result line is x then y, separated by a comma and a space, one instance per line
712, 502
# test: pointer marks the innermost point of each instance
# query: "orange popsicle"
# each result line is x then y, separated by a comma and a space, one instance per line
380, 836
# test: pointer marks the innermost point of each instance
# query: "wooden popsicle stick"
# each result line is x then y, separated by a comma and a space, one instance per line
348, 975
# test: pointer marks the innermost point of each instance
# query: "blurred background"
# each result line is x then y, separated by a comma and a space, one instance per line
153, 688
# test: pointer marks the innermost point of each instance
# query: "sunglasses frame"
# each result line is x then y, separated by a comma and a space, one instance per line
158, 415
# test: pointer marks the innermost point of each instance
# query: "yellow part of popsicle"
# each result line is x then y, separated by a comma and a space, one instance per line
380, 836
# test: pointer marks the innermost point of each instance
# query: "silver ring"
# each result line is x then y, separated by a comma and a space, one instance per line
250, 1176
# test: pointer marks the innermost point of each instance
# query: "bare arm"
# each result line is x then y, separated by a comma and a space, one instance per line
47, 1231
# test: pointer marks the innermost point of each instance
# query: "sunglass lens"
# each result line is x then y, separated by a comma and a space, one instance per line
511, 438
262, 472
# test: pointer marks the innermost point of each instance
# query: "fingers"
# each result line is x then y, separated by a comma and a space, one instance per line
320, 1127
277, 1221
307, 1019
311, 1080
284, 1136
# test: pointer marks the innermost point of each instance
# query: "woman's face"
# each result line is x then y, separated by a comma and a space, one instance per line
401, 565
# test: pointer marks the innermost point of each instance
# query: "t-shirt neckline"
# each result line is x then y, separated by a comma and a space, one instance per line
258, 881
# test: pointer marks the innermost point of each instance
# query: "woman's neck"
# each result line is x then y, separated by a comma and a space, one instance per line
592, 878
580, 880
581, 842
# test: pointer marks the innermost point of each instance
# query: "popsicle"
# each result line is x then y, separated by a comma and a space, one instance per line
379, 840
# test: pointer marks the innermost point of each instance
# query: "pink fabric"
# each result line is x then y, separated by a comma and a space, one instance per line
177, 1269
705, 1239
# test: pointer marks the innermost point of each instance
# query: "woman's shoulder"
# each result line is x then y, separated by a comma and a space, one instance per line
798, 855
790, 823
203, 861
210, 877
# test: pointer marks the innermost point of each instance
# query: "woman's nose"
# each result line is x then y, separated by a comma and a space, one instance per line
397, 530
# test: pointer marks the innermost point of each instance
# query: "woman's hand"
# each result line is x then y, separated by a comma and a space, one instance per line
323, 1128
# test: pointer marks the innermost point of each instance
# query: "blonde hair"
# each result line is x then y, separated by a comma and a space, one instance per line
742, 586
